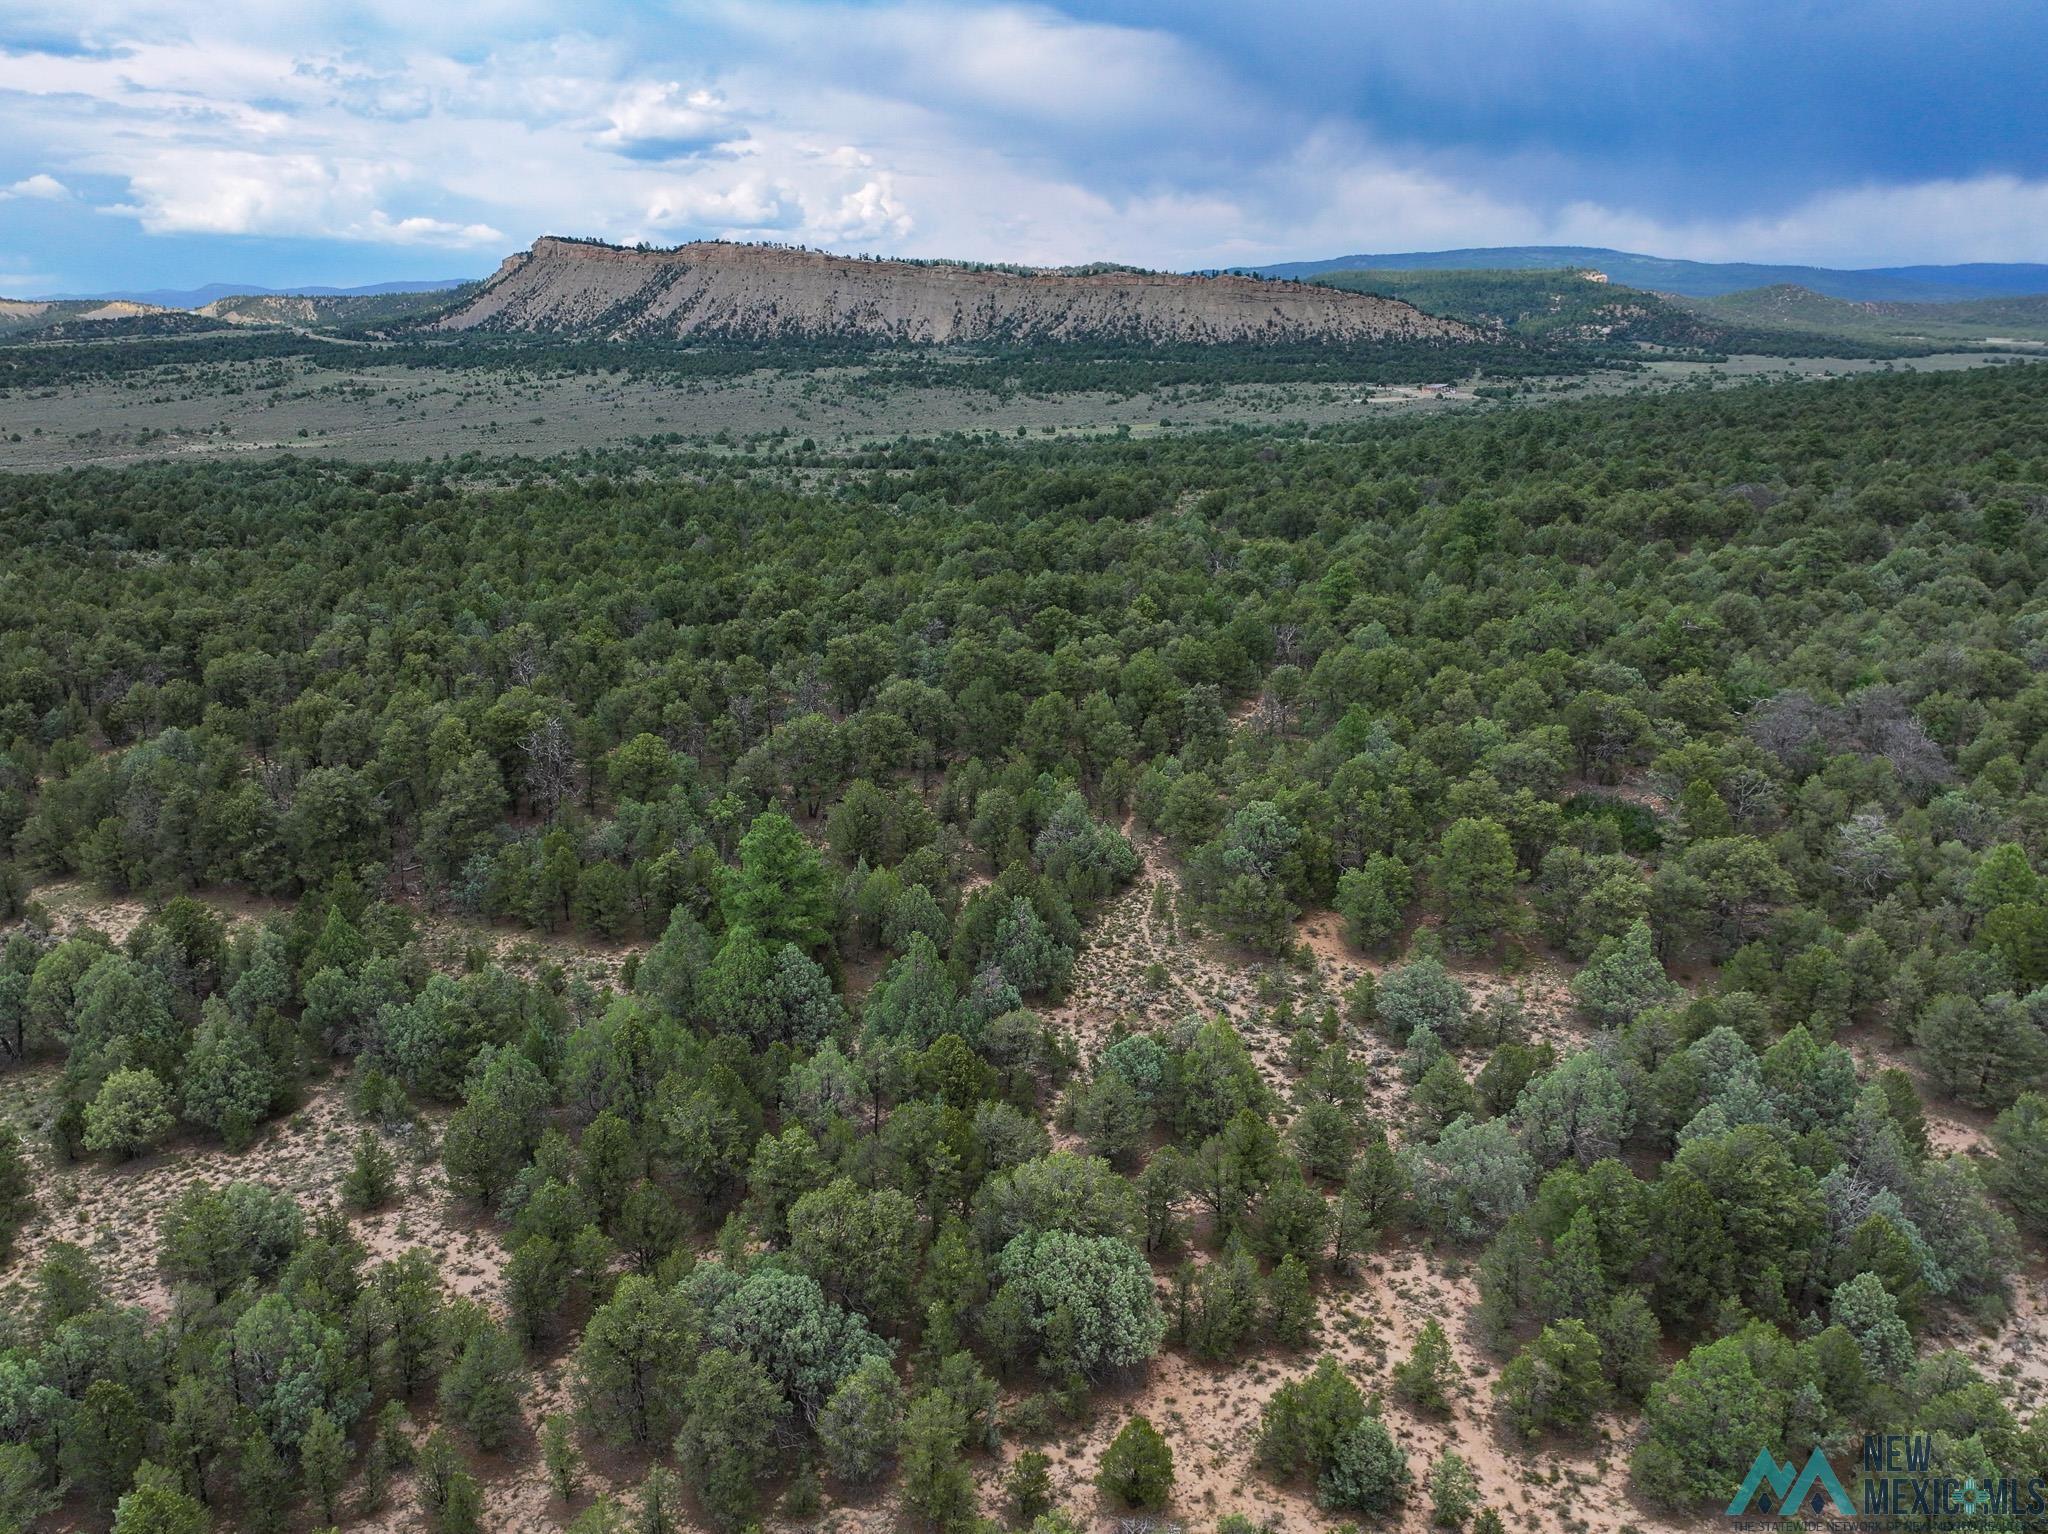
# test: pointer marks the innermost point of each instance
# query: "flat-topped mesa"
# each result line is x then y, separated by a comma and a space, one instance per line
769, 292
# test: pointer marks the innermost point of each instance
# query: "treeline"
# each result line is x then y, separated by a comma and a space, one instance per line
1005, 370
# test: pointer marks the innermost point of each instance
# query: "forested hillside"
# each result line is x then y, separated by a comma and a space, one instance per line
1569, 312
1725, 712
2017, 319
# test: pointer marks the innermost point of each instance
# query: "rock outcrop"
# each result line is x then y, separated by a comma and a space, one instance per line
761, 292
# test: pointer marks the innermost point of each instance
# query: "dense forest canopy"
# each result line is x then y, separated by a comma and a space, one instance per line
1732, 704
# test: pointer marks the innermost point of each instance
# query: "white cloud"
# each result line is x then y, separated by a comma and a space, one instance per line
1018, 61
43, 187
751, 205
209, 191
663, 121
868, 213
1003, 131
387, 230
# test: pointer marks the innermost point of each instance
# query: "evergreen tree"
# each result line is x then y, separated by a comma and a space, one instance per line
17, 1190
2019, 1174
862, 1424
1554, 1382
323, 1465
228, 1082
1366, 1473
1453, 1491
726, 1444
937, 1488
782, 891
1137, 1468
130, 1114
158, 1506
1475, 880
1430, 1372
372, 1179
480, 1390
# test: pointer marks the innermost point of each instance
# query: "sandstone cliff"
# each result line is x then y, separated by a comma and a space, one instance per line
757, 292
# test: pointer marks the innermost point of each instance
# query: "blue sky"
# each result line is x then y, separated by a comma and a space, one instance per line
148, 143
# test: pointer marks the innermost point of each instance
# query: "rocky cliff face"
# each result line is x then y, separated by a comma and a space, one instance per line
754, 292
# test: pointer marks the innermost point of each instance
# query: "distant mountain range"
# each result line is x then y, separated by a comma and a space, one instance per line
195, 298
1481, 300
1704, 279
1660, 274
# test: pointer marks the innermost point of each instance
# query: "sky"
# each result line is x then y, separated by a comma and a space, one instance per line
169, 143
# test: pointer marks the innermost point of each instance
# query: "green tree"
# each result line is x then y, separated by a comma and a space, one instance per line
782, 890
158, 1506
228, 1082
1475, 881
283, 1363
219, 1236
1087, 1301
1304, 1420
937, 1488
783, 1322
1373, 899
481, 1388
861, 1246
1290, 1303
1577, 1110
2003, 876
1430, 1373
1554, 1382
862, 1424
631, 1366
1028, 1487
491, 1135
129, 1115
17, 1190
1470, 1180
264, 1484
323, 1464
1700, 1422
1137, 1467
372, 1180
1866, 1310
916, 1002
1624, 979
1423, 994
1983, 1054
1453, 1490
727, 1442
559, 1458
2019, 1173
603, 902
1631, 1345
460, 1509
1367, 1472
108, 1435
26, 1495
